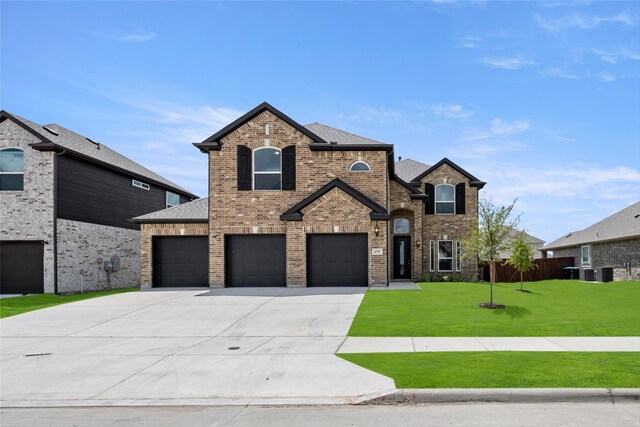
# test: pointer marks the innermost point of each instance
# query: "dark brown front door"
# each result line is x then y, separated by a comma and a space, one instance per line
401, 257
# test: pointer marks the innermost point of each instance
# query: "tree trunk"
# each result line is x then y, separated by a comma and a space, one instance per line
520, 280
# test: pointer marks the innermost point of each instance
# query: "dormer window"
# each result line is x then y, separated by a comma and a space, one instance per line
360, 166
445, 199
267, 169
11, 169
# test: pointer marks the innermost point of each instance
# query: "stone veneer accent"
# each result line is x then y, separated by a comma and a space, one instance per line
610, 254
147, 231
29, 214
80, 244
239, 212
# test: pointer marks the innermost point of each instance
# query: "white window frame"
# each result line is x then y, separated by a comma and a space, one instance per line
140, 184
15, 173
253, 168
582, 262
166, 199
432, 255
435, 197
458, 255
408, 225
360, 162
444, 258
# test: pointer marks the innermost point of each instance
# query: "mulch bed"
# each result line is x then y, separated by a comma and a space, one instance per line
489, 305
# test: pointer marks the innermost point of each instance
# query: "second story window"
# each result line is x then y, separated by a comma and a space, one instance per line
445, 199
360, 166
140, 184
11, 169
267, 169
173, 199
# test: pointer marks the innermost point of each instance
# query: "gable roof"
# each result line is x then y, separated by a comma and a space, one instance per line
377, 211
214, 141
624, 224
408, 169
473, 181
414, 192
531, 240
57, 138
195, 211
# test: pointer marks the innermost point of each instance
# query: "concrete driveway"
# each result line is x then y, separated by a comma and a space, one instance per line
227, 346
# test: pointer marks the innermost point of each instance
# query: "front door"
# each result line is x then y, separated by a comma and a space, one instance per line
401, 257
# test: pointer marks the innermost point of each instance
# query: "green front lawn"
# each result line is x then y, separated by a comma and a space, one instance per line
505, 369
18, 305
553, 308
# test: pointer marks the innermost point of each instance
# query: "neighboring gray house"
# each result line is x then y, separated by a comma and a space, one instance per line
613, 242
65, 205
533, 241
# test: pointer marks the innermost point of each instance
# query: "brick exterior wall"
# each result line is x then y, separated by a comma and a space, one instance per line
402, 206
29, 214
240, 212
80, 244
610, 254
450, 227
147, 231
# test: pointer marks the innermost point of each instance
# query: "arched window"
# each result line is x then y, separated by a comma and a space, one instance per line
11, 169
360, 166
445, 199
401, 226
267, 169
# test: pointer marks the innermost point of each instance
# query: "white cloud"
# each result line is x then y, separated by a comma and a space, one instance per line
500, 128
507, 63
370, 115
612, 56
469, 42
454, 111
606, 77
583, 22
562, 73
133, 36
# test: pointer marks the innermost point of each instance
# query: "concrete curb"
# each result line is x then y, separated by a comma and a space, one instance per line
507, 395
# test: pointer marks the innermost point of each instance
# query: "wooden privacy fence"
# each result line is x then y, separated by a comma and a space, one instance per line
547, 269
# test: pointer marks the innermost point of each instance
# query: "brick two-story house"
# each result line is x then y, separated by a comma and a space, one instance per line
65, 205
292, 205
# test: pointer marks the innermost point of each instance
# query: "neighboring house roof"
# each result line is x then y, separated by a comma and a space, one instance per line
533, 241
338, 136
57, 138
622, 225
195, 211
474, 182
408, 169
377, 211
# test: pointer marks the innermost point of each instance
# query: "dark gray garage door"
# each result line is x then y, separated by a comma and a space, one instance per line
180, 261
337, 260
21, 267
256, 260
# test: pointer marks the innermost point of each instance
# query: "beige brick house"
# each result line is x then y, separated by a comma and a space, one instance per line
292, 205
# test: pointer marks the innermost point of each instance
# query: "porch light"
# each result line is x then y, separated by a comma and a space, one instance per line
417, 243
377, 230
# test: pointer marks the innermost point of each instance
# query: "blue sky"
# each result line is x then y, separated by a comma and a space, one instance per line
541, 100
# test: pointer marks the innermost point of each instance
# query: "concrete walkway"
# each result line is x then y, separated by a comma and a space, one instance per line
428, 344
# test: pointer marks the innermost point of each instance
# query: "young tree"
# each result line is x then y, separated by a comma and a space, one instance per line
521, 255
490, 235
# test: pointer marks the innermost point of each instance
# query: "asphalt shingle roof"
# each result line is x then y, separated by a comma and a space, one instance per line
621, 225
408, 169
532, 240
330, 134
80, 144
190, 211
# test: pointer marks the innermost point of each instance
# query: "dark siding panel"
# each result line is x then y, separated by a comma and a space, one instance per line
460, 198
184, 199
289, 168
429, 202
244, 168
92, 194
